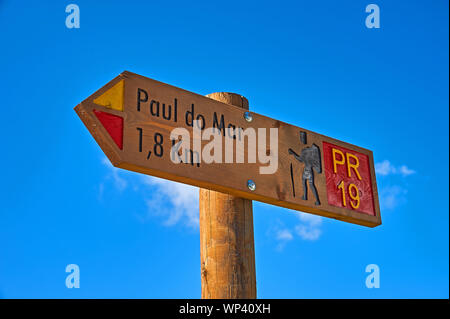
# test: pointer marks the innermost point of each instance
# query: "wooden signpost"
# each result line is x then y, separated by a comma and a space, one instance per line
143, 125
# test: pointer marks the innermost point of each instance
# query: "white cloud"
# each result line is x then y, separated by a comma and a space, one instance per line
309, 229
312, 220
308, 232
405, 171
385, 168
120, 183
177, 202
392, 196
284, 234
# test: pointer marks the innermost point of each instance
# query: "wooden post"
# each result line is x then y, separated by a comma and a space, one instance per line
227, 250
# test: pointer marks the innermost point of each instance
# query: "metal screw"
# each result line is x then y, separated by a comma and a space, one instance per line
251, 185
248, 116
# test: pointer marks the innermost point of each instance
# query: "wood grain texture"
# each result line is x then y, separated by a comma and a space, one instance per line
227, 249
283, 188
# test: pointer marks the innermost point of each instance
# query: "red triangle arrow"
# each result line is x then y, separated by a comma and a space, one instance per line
113, 124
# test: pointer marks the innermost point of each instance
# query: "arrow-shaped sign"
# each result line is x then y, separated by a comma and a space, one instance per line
157, 129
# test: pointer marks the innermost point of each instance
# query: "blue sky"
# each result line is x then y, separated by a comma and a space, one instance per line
313, 64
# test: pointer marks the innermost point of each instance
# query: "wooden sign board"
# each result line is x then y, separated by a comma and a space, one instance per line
132, 118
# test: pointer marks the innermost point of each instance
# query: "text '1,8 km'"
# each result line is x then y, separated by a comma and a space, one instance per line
157, 129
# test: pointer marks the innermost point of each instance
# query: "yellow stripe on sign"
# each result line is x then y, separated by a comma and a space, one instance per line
113, 98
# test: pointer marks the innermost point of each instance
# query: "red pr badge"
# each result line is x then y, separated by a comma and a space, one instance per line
348, 179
